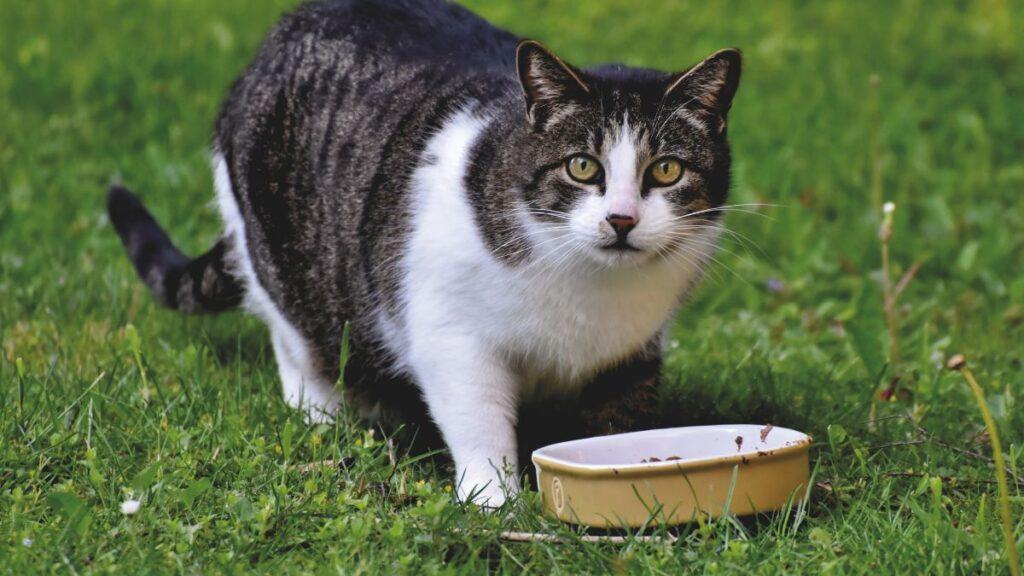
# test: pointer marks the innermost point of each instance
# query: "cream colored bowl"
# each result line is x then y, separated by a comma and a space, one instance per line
670, 476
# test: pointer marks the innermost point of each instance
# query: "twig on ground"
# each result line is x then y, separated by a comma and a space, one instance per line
511, 536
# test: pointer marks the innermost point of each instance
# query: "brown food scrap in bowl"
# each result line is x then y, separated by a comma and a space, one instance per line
654, 459
739, 443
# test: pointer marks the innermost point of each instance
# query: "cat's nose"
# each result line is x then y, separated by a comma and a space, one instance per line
621, 223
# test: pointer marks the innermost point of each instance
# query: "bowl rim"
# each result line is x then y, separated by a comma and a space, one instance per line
554, 464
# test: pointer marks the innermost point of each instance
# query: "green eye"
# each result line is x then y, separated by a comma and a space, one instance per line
666, 171
583, 168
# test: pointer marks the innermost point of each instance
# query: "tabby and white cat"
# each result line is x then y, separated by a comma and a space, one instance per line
497, 226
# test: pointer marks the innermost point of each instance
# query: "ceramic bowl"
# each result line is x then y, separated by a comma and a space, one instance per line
669, 476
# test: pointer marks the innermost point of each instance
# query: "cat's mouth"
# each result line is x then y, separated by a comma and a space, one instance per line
620, 245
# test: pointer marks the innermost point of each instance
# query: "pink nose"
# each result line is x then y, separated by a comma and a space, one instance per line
621, 223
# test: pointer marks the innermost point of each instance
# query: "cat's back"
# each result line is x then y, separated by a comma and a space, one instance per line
403, 31
321, 132
374, 35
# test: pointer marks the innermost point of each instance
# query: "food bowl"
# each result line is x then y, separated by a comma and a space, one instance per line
672, 475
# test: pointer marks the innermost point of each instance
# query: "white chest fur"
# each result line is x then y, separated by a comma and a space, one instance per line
549, 320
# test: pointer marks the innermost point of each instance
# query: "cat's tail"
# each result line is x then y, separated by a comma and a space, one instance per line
200, 285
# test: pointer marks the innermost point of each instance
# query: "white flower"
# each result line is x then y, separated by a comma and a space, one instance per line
889, 208
27, 542
129, 507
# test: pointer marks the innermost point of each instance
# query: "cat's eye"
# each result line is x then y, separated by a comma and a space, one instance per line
583, 168
666, 171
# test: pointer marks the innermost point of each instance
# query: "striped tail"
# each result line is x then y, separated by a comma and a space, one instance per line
202, 285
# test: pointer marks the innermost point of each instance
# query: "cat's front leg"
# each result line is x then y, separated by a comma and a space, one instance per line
472, 397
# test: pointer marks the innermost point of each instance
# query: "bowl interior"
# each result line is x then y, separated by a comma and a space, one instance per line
681, 445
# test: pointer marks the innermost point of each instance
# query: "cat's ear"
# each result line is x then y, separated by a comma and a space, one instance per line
549, 84
710, 85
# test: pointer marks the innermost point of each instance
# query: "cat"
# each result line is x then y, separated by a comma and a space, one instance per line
497, 227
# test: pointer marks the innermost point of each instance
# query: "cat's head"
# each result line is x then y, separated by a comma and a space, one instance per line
628, 165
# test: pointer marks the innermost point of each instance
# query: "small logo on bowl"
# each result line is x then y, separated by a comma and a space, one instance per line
557, 495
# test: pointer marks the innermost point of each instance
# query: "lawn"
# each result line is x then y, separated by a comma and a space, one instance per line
843, 106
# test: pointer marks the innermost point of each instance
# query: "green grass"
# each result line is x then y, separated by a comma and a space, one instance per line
187, 415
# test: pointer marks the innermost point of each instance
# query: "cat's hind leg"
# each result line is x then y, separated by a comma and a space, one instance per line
305, 386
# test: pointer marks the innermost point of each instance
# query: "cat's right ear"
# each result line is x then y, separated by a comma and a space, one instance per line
549, 84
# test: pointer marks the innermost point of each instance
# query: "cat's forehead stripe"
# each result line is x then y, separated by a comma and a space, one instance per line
622, 155
626, 135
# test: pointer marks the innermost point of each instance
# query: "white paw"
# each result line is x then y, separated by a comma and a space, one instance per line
488, 490
319, 414
317, 409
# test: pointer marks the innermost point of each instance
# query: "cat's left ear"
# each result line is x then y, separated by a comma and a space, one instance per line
710, 85
549, 84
